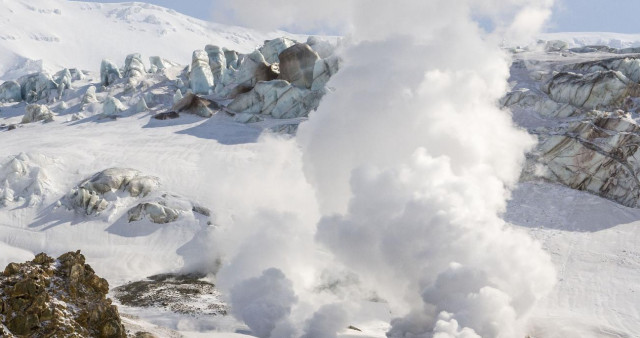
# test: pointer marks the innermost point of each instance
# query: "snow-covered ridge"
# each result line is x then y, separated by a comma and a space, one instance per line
54, 34
581, 39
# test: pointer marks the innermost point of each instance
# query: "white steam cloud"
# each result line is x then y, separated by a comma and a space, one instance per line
411, 163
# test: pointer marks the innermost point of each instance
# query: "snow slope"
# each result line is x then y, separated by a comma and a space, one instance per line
593, 242
55, 34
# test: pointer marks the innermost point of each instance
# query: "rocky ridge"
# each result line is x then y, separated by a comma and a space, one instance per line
49, 297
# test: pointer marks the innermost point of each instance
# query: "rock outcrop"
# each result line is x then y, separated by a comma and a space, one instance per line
88, 197
56, 298
37, 112
185, 294
200, 77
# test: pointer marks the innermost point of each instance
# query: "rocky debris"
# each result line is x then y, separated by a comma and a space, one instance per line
24, 179
597, 90
89, 196
109, 73
271, 49
133, 66
217, 63
277, 98
184, 294
112, 107
37, 112
36, 87
166, 116
200, 76
10, 91
599, 155
57, 298
297, 65
194, 104
90, 95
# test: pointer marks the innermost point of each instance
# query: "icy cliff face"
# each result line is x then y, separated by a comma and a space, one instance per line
584, 111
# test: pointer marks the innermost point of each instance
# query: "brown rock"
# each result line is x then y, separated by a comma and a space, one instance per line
297, 63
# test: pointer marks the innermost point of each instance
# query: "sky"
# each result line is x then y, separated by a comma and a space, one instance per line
619, 16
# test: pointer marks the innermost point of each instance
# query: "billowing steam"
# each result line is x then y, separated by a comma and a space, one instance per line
410, 162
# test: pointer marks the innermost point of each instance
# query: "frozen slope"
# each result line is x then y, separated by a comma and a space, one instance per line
74, 34
594, 245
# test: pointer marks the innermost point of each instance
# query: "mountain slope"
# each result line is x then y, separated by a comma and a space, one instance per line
69, 34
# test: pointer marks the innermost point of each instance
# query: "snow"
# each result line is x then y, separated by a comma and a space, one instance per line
85, 33
238, 171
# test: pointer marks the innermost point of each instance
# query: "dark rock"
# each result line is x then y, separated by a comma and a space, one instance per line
51, 298
166, 116
297, 63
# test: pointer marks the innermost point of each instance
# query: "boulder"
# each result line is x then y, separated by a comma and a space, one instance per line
297, 65
200, 77
51, 298
88, 197
272, 48
37, 112
109, 72
194, 104
133, 66
112, 107
10, 91
36, 87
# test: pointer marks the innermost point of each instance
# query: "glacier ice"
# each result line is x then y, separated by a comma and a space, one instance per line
200, 76
10, 91
109, 72
37, 112
297, 65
